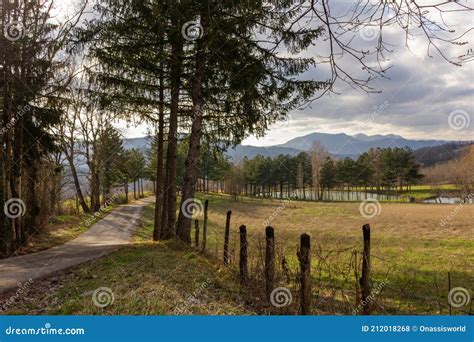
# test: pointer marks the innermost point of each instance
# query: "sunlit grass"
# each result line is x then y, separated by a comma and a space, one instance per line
410, 246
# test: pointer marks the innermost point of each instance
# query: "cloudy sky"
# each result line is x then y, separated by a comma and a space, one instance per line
422, 97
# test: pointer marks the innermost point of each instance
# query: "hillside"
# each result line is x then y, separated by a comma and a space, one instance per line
432, 155
344, 144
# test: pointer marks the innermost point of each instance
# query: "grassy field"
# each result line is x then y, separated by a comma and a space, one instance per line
422, 192
412, 253
414, 246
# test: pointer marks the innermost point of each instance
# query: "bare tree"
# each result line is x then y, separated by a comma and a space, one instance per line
234, 180
355, 34
318, 155
463, 172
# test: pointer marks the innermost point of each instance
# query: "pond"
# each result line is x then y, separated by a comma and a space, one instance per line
338, 195
354, 196
449, 200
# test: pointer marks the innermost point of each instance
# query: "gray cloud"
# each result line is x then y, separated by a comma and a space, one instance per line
420, 93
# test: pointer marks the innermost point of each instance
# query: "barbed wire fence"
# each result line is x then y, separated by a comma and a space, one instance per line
335, 282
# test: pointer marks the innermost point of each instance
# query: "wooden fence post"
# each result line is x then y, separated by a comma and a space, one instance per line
269, 260
357, 279
449, 290
365, 278
204, 226
304, 257
196, 232
226, 237
243, 253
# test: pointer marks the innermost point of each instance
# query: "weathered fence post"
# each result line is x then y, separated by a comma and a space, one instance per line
196, 232
226, 237
269, 260
304, 257
243, 253
449, 290
204, 226
357, 279
365, 278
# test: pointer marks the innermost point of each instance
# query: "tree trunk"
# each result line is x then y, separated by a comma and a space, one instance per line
4, 236
184, 221
95, 190
159, 160
5, 233
77, 185
31, 201
169, 209
134, 189
125, 187
15, 183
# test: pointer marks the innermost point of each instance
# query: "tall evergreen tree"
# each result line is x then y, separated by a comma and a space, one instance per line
259, 83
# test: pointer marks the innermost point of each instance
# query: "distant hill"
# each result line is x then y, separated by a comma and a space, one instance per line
142, 143
343, 144
251, 152
432, 155
338, 145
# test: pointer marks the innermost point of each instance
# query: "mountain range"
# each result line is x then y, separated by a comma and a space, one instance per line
339, 145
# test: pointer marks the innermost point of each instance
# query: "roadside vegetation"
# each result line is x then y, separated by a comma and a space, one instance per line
147, 278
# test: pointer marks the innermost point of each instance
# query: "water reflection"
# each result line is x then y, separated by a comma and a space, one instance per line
448, 200
355, 196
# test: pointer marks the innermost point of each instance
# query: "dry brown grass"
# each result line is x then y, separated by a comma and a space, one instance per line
411, 248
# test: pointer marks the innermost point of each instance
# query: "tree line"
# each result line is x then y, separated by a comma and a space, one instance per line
386, 170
